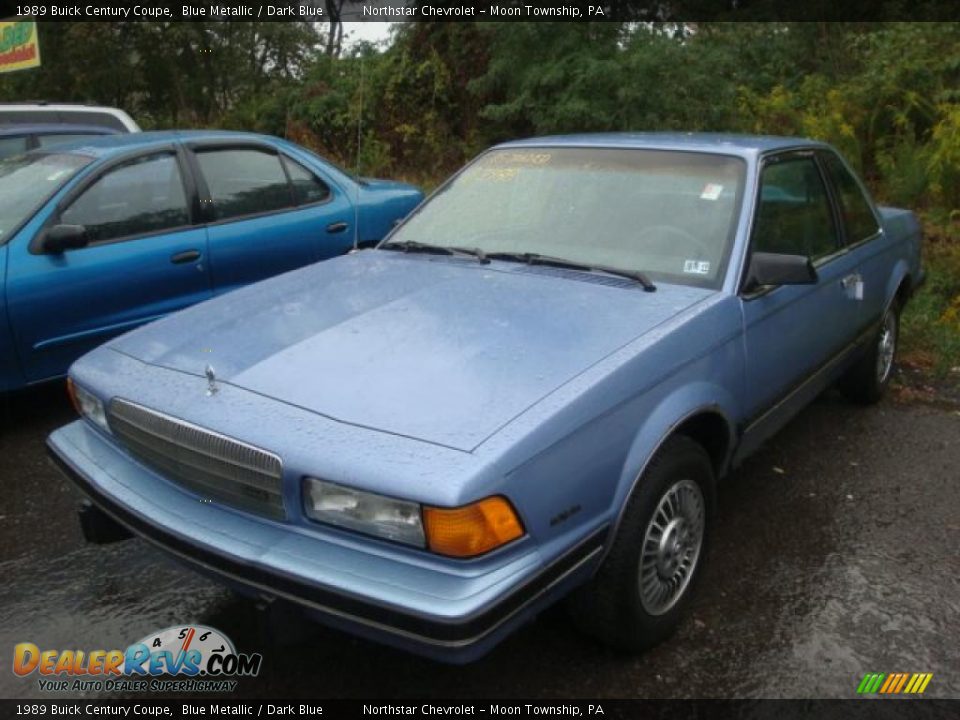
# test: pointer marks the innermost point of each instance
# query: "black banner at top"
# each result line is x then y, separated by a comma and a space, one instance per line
485, 10
499, 708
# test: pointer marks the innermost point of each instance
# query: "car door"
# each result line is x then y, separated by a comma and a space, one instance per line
792, 331
145, 258
862, 238
266, 213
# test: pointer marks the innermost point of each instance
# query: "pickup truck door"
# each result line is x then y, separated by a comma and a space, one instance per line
145, 258
793, 331
266, 213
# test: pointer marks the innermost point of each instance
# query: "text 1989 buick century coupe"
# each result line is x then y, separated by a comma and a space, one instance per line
529, 388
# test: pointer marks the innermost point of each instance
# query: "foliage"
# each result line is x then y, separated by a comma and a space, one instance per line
886, 94
931, 322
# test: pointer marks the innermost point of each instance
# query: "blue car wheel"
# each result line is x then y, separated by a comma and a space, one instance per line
644, 587
867, 380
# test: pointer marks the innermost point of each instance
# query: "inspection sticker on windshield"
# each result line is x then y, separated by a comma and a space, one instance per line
711, 191
696, 267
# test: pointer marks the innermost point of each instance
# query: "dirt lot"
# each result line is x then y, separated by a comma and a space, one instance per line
836, 554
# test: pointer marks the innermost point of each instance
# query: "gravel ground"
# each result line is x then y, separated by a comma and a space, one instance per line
835, 554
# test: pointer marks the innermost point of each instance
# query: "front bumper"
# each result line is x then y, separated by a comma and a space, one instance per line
449, 610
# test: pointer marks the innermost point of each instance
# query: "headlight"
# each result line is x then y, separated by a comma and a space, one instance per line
87, 405
457, 532
364, 512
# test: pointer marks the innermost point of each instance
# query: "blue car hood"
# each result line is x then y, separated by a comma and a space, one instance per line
444, 350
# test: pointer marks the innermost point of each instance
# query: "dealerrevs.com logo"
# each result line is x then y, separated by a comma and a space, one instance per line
197, 658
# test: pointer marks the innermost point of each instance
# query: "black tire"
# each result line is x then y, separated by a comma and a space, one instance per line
866, 381
611, 607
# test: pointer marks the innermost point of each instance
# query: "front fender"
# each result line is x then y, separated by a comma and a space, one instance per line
670, 412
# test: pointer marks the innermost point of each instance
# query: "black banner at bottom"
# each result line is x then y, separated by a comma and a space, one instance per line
872, 709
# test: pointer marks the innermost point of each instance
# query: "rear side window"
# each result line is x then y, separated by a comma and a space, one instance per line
858, 218
244, 182
307, 187
140, 197
794, 216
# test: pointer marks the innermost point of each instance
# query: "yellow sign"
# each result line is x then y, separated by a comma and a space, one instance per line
19, 45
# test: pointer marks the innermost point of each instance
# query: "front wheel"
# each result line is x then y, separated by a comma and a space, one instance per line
643, 589
868, 379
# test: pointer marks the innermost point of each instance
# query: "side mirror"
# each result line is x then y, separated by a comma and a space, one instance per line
64, 237
776, 269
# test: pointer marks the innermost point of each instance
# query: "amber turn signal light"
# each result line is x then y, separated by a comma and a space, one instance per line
72, 392
472, 529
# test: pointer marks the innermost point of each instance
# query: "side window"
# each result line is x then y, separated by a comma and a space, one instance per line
143, 196
794, 216
58, 139
244, 182
307, 187
12, 146
858, 218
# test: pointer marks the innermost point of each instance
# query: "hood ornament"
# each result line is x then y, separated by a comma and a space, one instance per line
211, 380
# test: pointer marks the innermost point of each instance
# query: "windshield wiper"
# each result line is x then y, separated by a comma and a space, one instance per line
422, 247
538, 259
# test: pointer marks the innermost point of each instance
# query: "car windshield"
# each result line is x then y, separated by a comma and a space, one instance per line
669, 214
26, 181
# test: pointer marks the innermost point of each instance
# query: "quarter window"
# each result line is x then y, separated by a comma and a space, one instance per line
143, 196
794, 215
244, 182
307, 187
858, 218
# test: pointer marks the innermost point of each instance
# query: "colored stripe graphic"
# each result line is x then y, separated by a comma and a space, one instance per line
894, 683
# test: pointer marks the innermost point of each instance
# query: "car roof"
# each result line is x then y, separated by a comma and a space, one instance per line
109, 145
54, 129
728, 143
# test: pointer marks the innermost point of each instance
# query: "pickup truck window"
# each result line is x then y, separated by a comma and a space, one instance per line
13, 145
858, 218
26, 181
244, 181
794, 216
143, 196
60, 138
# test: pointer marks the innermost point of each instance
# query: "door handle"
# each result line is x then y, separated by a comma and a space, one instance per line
850, 280
185, 257
337, 227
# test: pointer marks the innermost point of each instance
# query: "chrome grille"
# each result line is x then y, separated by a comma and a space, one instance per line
208, 463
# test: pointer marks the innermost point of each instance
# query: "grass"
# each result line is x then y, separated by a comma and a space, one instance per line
930, 326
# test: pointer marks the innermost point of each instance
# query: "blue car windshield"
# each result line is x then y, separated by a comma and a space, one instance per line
27, 181
669, 214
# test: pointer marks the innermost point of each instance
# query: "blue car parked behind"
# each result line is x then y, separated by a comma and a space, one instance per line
102, 235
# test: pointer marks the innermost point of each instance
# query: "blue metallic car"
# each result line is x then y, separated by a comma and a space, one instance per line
528, 391
104, 234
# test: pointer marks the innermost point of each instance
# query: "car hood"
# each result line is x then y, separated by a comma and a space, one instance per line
444, 350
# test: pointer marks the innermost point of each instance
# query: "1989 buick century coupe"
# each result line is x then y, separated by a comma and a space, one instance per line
528, 390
